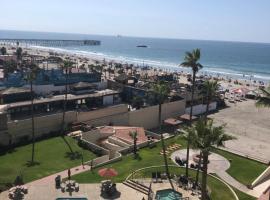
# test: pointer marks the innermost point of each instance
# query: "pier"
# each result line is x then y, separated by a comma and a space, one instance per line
49, 43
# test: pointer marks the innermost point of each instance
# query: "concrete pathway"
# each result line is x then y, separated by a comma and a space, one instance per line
218, 165
64, 174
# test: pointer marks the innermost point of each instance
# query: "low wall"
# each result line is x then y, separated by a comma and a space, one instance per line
43, 125
173, 109
101, 113
148, 117
94, 148
117, 142
118, 119
200, 109
111, 146
263, 177
145, 117
94, 135
104, 160
152, 134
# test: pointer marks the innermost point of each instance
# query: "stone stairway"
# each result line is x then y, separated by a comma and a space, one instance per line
137, 186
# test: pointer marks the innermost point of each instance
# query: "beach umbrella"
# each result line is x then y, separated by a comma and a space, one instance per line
107, 172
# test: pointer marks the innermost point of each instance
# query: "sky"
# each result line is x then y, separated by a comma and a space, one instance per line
229, 20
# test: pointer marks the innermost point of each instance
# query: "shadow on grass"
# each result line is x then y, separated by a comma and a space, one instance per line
32, 164
73, 155
137, 157
9, 151
70, 148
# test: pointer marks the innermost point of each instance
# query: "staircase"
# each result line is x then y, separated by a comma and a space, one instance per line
137, 186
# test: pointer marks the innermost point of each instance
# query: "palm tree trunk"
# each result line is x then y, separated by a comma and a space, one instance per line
164, 148
64, 107
135, 147
190, 119
33, 122
64, 115
198, 169
204, 175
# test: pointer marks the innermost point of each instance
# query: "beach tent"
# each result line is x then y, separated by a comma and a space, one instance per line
241, 91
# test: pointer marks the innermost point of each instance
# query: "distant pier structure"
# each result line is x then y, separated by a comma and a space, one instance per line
48, 43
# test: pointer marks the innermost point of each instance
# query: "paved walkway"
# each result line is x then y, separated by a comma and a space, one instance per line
63, 174
218, 165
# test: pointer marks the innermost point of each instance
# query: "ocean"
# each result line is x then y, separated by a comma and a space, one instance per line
228, 59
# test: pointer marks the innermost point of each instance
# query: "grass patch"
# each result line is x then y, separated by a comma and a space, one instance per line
51, 156
243, 196
242, 169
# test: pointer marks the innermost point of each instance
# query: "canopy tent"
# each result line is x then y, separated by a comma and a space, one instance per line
242, 91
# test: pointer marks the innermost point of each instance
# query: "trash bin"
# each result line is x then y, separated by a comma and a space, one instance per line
57, 181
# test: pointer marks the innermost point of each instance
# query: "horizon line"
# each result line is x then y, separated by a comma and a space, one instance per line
132, 36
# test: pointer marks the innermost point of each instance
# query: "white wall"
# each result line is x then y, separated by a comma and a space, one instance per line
200, 109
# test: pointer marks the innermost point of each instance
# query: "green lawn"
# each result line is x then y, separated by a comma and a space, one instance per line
52, 155
243, 196
149, 157
242, 169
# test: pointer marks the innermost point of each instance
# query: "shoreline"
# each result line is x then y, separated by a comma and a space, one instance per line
169, 67
225, 80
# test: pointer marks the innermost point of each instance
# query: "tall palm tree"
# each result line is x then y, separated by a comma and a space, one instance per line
161, 92
65, 67
134, 135
209, 91
205, 136
191, 60
19, 53
31, 77
264, 99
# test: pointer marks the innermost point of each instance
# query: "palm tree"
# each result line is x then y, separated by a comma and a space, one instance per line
161, 92
65, 67
205, 136
209, 91
264, 99
134, 135
3, 51
30, 77
191, 60
19, 53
